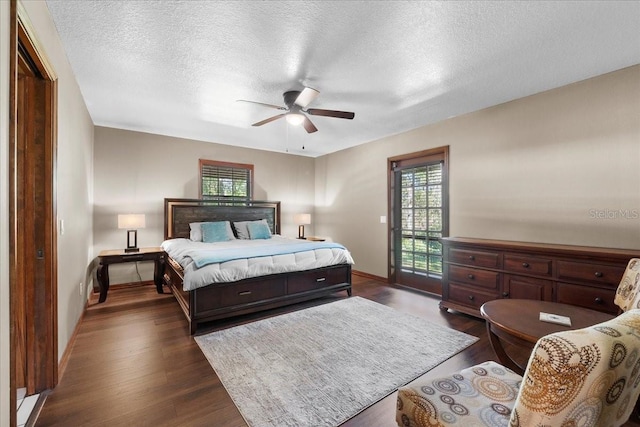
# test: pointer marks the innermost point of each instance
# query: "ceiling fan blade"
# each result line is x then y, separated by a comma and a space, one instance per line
330, 113
277, 107
308, 126
306, 96
269, 120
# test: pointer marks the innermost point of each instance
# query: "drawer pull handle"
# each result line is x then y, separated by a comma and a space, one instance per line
470, 276
599, 274
470, 297
525, 264
321, 279
472, 258
598, 300
505, 294
243, 293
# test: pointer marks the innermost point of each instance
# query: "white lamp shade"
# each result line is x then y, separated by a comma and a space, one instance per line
131, 221
302, 219
294, 119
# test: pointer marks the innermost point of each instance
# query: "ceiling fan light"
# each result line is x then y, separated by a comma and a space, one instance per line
295, 119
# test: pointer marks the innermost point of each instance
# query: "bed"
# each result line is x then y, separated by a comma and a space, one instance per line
247, 293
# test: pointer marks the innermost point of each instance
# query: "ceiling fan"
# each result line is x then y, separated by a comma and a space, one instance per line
296, 101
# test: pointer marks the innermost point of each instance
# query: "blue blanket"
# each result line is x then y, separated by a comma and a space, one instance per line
205, 257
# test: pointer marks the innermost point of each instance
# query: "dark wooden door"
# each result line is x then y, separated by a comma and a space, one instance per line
34, 237
33, 255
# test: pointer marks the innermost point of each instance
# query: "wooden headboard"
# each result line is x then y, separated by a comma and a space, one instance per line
178, 213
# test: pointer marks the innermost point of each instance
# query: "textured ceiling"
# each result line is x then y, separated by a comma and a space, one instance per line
177, 67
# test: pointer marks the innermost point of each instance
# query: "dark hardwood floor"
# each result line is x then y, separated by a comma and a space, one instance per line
135, 364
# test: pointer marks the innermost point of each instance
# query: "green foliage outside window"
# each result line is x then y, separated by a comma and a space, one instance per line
422, 222
225, 181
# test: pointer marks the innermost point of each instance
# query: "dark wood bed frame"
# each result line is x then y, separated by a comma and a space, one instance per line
222, 300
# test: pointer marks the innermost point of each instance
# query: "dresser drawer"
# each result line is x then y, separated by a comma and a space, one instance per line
469, 297
600, 299
596, 273
474, 277
312, 280
243, 293
528, 264
475, 258
523, 287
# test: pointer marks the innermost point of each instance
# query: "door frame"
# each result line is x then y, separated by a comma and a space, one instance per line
39, 302
408, 160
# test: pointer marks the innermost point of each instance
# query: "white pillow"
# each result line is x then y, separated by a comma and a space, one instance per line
195, 233
242, 229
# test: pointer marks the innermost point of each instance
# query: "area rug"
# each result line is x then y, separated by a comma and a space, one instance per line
323, 365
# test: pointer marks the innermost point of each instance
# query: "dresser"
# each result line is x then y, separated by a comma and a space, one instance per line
479, 270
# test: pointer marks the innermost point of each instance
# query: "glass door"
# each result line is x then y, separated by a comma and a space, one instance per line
419, 221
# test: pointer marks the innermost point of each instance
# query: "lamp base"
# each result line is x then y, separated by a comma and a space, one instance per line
301, 232
132, 241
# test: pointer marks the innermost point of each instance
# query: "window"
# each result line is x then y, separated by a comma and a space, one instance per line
421, 219
226, 181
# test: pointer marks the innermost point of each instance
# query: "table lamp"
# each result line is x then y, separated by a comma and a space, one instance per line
131, 222
302, 220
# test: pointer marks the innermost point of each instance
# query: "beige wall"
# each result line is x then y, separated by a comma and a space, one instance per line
546, 168
135, 171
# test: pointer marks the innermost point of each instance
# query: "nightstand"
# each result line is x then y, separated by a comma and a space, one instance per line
119, 256
315, 239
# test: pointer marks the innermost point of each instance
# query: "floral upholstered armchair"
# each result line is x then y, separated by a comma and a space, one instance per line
584, 377
627, 295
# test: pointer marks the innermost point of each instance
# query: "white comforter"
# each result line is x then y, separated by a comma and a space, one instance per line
239, 269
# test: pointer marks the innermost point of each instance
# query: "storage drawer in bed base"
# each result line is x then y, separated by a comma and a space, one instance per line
209, 313
221, 301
